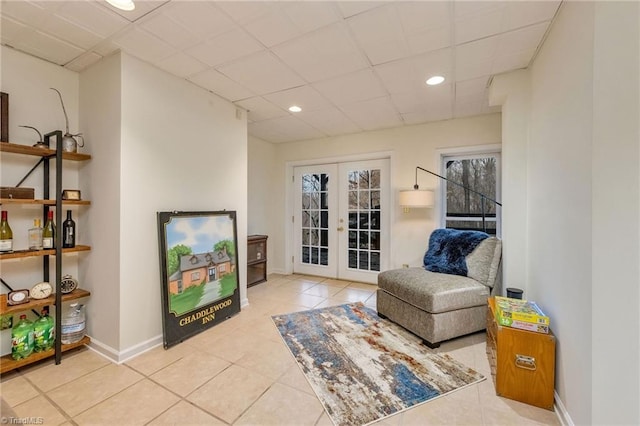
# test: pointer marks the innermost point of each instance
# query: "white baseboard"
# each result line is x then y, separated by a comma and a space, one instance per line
277, 271
120, 357
561, 411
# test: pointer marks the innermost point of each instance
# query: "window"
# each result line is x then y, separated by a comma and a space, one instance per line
462, 208
195, 276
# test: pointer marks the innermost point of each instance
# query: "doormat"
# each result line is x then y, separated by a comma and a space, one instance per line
364, 368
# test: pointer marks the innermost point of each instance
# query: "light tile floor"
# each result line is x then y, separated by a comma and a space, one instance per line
238, 373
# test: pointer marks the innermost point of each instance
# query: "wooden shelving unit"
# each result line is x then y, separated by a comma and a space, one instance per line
7, 363
15, 148
33, 303
37, 253
44, 202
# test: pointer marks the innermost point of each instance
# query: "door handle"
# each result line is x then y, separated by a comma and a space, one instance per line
340, 229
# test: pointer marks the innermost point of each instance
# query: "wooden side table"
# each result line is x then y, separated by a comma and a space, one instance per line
256, 259
522, 362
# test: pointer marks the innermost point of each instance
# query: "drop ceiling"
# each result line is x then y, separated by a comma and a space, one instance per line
351, 66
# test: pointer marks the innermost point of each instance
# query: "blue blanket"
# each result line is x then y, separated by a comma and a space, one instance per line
448, 249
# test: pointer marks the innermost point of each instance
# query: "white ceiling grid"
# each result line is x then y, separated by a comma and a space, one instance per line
351, 65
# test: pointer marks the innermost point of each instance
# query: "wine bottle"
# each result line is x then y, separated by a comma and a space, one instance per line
35, 236
6, 235
49, 232
69, 232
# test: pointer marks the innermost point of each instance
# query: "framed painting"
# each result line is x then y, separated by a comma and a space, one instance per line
198, 267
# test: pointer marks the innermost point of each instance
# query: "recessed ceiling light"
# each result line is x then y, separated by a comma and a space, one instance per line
295, 108
122, 4
436, 79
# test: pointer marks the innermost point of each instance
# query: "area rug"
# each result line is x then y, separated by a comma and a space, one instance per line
364, 368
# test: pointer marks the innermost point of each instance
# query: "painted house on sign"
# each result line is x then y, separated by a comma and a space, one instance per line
196, 269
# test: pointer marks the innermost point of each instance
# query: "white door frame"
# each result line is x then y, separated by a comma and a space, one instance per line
290, 195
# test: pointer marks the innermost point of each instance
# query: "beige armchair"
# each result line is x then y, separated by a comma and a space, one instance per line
439, 306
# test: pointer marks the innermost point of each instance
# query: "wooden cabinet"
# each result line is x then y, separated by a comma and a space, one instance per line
7, 363
522, 362
256, 259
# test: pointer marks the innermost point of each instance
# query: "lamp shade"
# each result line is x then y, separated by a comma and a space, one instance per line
416, 198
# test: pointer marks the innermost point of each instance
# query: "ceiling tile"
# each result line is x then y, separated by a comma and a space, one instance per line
373, 114
143, 7
262, 73
220, 84
473, 70
351, 8
284, 129
417, 16
202, 18
225, 47
47, 47
511, 62
441, 112
475, 59
106, 48
65, 30
478, 25
520, 14
171, 31
273, 28
305, 97
422, 100
31, 13
471, 87
84, 61
463, 9
181, 65
322, 54
261, 109
11, 30
428, 40
350, 88
410, 74
380, 35
244, 12
331, 121
93, 17
523, 39
143, 45
311, 15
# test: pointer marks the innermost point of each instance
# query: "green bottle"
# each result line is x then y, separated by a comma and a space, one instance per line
44, 332
22, 338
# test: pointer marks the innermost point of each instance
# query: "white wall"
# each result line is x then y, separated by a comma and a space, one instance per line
262, 184
513, 93
616, 214
182, 148
410, 146
100, 99
580, 142
559, 198
158, 144
27, 80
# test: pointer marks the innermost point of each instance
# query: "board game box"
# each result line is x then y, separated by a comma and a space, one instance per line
523, 311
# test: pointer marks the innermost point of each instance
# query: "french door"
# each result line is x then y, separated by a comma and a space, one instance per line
341, 221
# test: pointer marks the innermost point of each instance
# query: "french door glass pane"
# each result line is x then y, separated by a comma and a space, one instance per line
364, 215
315, 219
